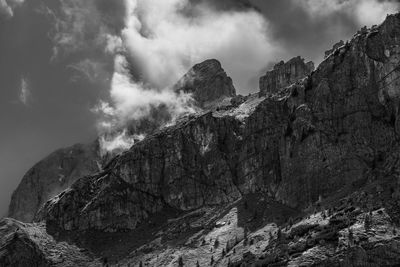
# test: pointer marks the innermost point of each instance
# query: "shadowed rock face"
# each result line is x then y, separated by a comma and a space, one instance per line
51, 176
284, 74
207, 81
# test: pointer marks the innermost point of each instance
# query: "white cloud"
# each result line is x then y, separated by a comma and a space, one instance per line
367, 12
7, 7
113, 44
133, 101
117, 142
372, 12
166, 43
25, 94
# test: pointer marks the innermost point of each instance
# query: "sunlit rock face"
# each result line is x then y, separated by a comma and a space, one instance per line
207, 82
284, 74
329, 132
51, 176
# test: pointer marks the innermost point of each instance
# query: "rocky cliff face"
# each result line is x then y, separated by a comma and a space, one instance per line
207, 81
314, 139
323, 148
284, 74
51, 176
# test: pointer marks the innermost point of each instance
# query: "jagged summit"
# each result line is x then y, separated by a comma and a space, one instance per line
284, 74
207, 81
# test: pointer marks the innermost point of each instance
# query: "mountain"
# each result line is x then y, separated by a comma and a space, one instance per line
304, 175
285, 74
52, 175
207, 82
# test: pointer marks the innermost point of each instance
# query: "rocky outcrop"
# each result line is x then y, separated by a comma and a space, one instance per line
335, 46
338, 239
284, 74
207, 82
51, 176
29, 245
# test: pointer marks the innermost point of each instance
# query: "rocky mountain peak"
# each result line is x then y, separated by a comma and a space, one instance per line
284, 74
207, 81
51, 176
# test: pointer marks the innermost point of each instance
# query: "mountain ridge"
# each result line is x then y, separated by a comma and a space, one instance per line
304, 176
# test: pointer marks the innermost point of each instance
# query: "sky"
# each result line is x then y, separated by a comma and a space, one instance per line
72, 69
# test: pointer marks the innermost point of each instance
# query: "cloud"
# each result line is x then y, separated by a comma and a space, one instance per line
165, 38
131, 103
7, 7
160, 41
83, 26
366, 12
134, 101
374, 12
117, 142
308, 28
75, 22
25, 94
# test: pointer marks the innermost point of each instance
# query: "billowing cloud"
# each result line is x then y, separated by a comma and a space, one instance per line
372, 12
161, 40
167, 37
132, 101
117, 142
7, 7
366, 12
